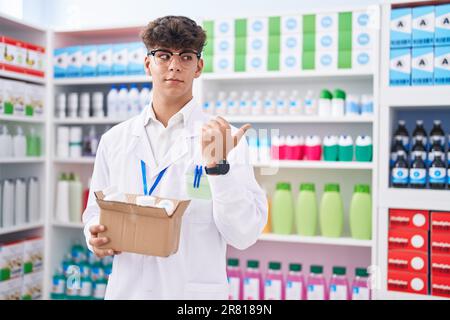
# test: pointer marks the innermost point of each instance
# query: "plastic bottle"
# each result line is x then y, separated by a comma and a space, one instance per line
269, 103
122, 99
220, 107
20, 209
86, 289
58, 285
310, 107
264, 150
330, 148
352, 105
274, 283
234, 277
338, 103
245, 103
78, 252
292, 148
402, 132
361, 213
19, 144
33, 200
295, 103
253, 282
85, 105
66, 263
73, 105
6, 141
112, 103
339, 287
345, 148
282, 148
97, 105
275, 148
400, 171
257, 103
360, 285
133, 101
324, 109
75, 142
145, 97
99, 288
437, 173
419, 132
90, 143
33, 144
282, 209
313, 148
418, 173
253, 150
397, 147
295, 283
282, 103
61, 106
306, 212
366, 104
331, 211
437, 133
8, 203
62, 199
233, 103
363, 149
208, 104
316, 284
75, 198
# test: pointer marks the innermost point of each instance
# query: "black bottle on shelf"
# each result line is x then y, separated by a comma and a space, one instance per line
437, 174
418, 149
397, 147
400, 171
402, 132
436, 148
418, 173
437, 133
420, 132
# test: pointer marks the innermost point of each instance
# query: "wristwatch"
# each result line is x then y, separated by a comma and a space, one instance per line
220, 168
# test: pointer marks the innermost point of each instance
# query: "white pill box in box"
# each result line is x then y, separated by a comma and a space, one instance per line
141, 229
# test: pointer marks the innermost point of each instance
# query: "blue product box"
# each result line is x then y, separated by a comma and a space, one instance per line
442, 65
442, 25
401, 20
423, 26
120, 59
136, 56
60, 59
400, 67
74, 61
422, 66
89, 62
104, 59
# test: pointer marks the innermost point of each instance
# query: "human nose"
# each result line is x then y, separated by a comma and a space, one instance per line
175, 63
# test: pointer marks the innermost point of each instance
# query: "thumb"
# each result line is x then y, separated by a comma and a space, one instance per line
240, 133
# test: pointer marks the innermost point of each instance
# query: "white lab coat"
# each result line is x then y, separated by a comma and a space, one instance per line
236, 215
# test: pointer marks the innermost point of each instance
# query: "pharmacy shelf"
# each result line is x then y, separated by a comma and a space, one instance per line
298, 119
316, 240
22, 160
423, 96
21, 77
87, 121
69, 225
293, 164
101, 80
24, 227
420, 199
22, 119
82, 160
338, 74
394, 295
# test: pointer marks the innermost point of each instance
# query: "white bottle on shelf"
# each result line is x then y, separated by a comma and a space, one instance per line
62, 142
352, 105
85, 105
257, 104
112, 103
295, 103
269, 103
75, 142
6, 142
366, 104
75, 198
338, 103
33, 202
19, 144
62, 199
208, 104
324, 109
264, 150
20, 209
73, 105
61, 106
92, 142
233, 103
97, 105
123, 102
310, 104
282, 103
245, 103
145, 97
220, 107
8, 203
134, 101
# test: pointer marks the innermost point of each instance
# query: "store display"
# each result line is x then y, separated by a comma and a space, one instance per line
69, 198
361, 213
21, 99
274, 282
306, 211
331, 212
295, 283
316, 283
339, 286
283, 209
253, 288
22, 57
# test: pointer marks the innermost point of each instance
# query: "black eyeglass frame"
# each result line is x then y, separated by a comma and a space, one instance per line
153, 52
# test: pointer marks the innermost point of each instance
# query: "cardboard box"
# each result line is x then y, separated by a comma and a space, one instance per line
34, 60
442, 65
408, 239
11, 289
291, 24
327, 41
422, 66
362, 60
442, 25
423, 20
60, 62
440, 265
223, 63
136, 56
440, 222
326, 60
290, 62
440, 286
104, 60
257, 27
11, 260
119, 59
89, 61
408, 261
33, 255
400, 67
327, 22
440, 243
406, 218
224, 46
32, 286
407, 282
256, 63
143, 230
74, 61
362, 19
257, 45
223, 28
13, 55
401, 28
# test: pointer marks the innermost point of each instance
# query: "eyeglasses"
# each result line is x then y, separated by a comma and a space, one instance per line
188, 58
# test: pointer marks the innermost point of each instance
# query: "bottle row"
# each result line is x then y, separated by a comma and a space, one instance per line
19, 145
71, 198
121, 103
311, 148
306, 215
253, 285
21, 265
336, 104
19, 202
21, 99
81, 275
71, 142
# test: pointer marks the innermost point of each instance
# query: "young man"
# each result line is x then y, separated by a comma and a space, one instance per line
173, 132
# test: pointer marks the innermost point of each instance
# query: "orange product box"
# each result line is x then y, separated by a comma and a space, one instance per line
408, 261
407, 282
440, 286
408, 239
440, 265
440, 243
406, 218
440, 222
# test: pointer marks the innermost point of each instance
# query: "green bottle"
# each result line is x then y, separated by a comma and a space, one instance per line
361, 213
99, 289
283, 209
58, 285
33, 144
331, 212
306, 210
86, 288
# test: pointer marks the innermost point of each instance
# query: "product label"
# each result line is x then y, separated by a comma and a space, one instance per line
416, 154
272, 290
400, 175
233, 288
360, 293
251, 289
316, 292
294, 290
58, 286
338, 292
437, 175
418, 176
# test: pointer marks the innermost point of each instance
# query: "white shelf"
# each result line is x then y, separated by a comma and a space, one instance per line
25, 227
23, 119
22, 77
78, 121
69, 225
298, 119
316, 240
423, 96
82, 160
102, 80
396, 295
420, 199
288, 75
293, 164
22, 160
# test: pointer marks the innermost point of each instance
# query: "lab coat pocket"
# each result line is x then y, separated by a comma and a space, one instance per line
206, 291
197, 185
200, 211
